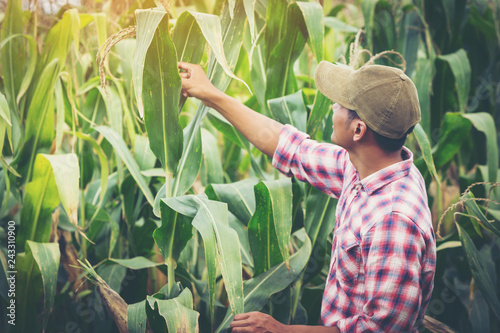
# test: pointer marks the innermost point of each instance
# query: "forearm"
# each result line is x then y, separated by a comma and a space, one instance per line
263, 132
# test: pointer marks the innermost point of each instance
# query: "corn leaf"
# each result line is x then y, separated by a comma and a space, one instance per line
286, 52
137, 317
318, 224
136, 263
424, 75
220, 242
36, 276
40, 119
336, 24
275, 25
103, 161
270, 226
121, 149
425, 148
238, 196
290, 109
189, 42
474, 210
5, 123
319, 111
177, 312
485, 123
147, 21
313, 17
460, 67
408, 38
66, 175
40, 199
481, 276
160, 94
258, 289
190, 163
12, 55
175, 231
454, 130
211, 171
368, 8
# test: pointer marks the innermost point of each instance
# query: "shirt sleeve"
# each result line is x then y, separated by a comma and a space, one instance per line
392, 256
320, 164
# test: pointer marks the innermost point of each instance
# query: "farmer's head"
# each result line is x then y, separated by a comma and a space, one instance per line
372, 101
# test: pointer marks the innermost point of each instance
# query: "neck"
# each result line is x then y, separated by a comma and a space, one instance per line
369, 159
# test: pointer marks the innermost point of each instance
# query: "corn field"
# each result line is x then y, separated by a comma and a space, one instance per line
126, 207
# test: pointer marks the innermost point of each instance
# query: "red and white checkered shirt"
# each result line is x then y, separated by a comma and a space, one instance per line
384, 251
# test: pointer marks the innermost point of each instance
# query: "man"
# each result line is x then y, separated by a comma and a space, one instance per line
383, 251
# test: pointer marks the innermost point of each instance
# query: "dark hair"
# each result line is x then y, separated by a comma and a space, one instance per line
386, 144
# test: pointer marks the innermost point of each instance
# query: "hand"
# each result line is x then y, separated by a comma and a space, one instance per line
195, 83
256, 322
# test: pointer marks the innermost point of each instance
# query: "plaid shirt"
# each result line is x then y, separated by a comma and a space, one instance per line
383, 252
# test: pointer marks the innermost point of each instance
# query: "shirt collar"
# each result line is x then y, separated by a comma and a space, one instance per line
389, 174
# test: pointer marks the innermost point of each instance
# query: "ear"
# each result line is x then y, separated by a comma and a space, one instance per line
360, 130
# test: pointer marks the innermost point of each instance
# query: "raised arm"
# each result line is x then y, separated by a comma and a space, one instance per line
263, 132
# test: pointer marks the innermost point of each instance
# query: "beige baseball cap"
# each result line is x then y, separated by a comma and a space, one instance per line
383, 97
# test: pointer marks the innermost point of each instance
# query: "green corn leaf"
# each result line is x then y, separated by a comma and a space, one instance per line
147, 21
190, 163
177, 312
212, 167
103, 160
175, 231
30, 70
259, 289
143, 155
275, 25
319, 223
454, 131
36, 277
290, 109
313, 16
40, 118
474, 210
189, 42
160, 94
408, 39
460, 67
66, 175
384, 30
319, 111
231, 133
368, 8
270, 226
40, 199
220, 242
425, 148
286, 52
121, 149
5, 123
238, 196
250, 12
336, 24
424, 75
12, 56
136, 263
485, 123
137, 317
481, 276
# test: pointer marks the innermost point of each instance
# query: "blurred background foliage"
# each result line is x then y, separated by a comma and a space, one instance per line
176, 218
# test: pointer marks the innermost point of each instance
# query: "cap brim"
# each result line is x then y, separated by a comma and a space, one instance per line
331, 81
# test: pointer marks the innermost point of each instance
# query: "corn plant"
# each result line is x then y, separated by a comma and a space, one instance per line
110, 174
